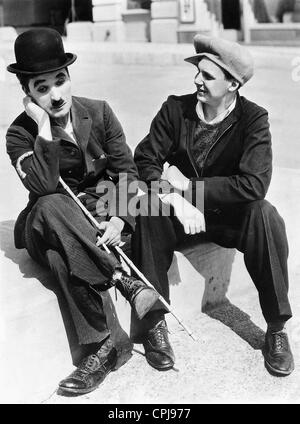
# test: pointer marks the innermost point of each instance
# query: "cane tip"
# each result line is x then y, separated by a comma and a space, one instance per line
194, 337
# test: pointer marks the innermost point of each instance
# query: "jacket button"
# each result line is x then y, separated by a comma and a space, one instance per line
73, 152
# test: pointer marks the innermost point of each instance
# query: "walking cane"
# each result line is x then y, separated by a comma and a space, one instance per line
125, 257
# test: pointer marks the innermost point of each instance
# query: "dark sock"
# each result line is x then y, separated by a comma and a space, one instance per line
276, 326
94, 347
153, 317
141, 327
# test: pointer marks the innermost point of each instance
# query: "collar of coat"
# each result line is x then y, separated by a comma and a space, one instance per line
189, 109
81, 122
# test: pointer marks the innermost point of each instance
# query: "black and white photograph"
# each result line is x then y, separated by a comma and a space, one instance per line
150, 204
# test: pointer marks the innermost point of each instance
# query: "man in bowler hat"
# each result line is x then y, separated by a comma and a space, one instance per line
218, 147
80, 140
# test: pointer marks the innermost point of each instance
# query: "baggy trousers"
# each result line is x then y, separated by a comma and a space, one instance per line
59, 236
255, 229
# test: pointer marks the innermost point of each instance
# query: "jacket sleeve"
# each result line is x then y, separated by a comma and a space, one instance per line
120, 167
253, 178
35, 160
153, 151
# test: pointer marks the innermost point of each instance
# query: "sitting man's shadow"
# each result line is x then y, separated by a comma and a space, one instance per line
27, 266
223, 311
30, 269
226, 312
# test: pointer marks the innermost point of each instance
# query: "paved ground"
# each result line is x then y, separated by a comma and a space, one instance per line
226, 363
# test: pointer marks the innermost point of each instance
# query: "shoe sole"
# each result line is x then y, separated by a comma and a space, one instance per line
144, 301
66, 390
276, 371
123, 357
160, 368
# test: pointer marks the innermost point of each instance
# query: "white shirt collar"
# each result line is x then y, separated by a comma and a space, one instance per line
69, 126
217, 119
69, 129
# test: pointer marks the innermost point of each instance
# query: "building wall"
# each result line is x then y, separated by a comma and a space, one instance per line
31, 12
43, 12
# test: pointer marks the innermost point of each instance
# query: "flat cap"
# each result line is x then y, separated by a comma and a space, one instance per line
229, 55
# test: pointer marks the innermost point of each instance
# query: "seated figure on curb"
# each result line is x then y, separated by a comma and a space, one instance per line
218, 146
81, 141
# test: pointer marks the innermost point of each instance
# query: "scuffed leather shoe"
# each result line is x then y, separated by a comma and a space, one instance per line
140, 296
91, 371
158, 351
278, 355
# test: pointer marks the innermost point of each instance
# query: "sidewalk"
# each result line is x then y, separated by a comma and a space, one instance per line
226, 363
134, 53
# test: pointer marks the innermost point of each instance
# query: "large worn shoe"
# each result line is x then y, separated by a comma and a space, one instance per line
139, 295
91, 371
158, 351
278, 355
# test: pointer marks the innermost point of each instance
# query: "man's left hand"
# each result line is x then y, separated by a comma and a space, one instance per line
176, 178
112, 232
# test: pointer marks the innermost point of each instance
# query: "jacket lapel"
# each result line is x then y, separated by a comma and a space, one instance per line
189, 110
81, 122
58, 132
232, 117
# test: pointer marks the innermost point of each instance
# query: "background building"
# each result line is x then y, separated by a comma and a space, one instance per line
166, 21
56, 13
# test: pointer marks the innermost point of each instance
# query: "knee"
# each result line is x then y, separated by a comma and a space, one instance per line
263, 209
149, 205
258, 206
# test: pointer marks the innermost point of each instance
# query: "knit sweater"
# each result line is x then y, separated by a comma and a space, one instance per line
203, 138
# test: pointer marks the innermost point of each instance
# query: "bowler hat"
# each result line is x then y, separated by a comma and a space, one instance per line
229, 55
39, 51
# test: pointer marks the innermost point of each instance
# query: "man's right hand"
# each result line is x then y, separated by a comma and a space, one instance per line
190, 217
34, 111
38, 114
112, 231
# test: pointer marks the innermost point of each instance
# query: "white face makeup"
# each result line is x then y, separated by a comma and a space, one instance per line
52, 92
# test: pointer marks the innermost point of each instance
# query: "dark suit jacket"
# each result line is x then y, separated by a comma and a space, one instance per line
101, 155
238, 166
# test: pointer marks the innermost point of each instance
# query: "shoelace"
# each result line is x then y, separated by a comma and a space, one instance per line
128, 280
280, 341
159, 334
86, 364
130, 284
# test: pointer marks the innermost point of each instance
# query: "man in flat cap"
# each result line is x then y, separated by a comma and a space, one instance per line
80, 140
218, 146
